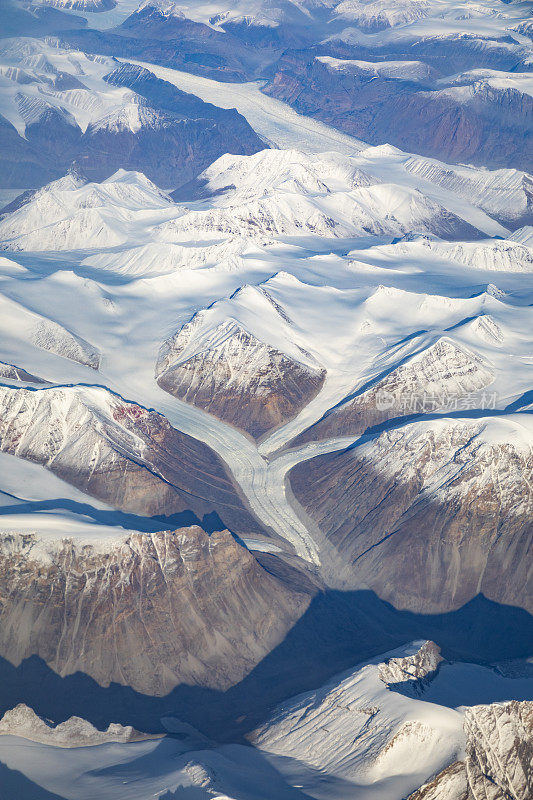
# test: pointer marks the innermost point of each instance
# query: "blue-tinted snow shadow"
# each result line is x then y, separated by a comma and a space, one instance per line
338, 631
209, 522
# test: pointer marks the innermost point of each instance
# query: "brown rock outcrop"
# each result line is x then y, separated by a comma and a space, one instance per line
148, 611
121, 453
428, 515
237, 378
441, 375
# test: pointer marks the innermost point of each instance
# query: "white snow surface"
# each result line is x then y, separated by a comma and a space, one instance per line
358, 737
357, 307
271, 194
37, 75
101, 275
326, 249
400, 70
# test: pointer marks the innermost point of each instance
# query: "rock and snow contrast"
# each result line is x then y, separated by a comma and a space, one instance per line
357, 736
429, 513
82, 592
74, 732
266, 444
217, 364
370, 738
62, 106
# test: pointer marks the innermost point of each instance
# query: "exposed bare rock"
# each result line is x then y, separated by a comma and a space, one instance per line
429, 381
235, 376
12, 373
74, 732
119, 452
450, 784
147, 610
430, 514
412, 669
477, 122
498, 760
499, 750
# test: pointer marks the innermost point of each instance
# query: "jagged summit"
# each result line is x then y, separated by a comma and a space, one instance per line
74, 732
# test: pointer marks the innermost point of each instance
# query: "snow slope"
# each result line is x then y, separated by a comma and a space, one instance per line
69, 213
286, 129
275, 121
365, 734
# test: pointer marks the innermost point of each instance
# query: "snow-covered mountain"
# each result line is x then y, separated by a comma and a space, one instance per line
121, 453
359, 735
245, 197
498, 756
62, 106
269, 194
265, 400
436, 78
92, 6
254, 381
492, 255
431, 380
375, 730
72, 213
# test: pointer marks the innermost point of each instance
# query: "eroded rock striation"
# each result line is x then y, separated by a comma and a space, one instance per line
440, 375
119, 452
236, 377
429, 514
498, 758
145, 610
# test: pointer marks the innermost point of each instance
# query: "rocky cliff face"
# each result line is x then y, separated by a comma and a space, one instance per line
428, 515
69, 115
499, 752
412, 670
498, 760
477, 123
440, 375
236, 377
147, 610
119, 452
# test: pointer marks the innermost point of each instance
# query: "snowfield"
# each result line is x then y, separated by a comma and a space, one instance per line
338, 288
